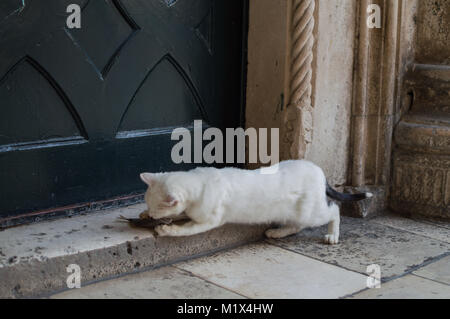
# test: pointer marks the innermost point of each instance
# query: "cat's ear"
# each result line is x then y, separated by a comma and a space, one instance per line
148, 178
170, 201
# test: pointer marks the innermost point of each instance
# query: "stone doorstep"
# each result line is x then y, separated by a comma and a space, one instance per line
34, 258
422, 135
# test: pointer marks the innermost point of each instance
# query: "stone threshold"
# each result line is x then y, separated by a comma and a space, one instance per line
34, 258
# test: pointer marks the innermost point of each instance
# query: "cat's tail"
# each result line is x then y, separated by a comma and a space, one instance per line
342, 197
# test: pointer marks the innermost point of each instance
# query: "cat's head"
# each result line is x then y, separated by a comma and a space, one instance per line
162, 201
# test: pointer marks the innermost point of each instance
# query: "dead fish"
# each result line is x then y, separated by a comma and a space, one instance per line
146, 223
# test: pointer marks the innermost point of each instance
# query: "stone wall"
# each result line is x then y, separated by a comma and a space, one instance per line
269, 77
332, 87
433, 32
342, 108
266, 62
421, 159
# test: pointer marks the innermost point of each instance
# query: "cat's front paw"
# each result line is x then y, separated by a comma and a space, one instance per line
164, 230
275, 233
331, 239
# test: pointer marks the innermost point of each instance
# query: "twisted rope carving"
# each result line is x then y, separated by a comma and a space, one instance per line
301, 50
299, 114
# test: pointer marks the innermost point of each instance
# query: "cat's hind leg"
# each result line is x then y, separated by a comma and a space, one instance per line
282, 232
332, 237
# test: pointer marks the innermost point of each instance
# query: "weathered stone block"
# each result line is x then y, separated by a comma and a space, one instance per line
421, 184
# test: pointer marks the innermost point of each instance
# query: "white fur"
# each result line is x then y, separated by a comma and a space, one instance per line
294, 197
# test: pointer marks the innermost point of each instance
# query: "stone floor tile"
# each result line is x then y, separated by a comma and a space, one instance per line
438, 271
424, 228
363, 243
266, 271
408, 287
163, 283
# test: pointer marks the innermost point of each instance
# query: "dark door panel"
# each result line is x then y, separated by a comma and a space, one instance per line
84, 111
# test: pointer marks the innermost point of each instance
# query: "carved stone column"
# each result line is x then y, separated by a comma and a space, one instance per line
297, 121
375, 85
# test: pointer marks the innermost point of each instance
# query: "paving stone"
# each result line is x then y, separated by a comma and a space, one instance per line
266, 271
425, 228
408, 287
363, 243
443, 224
438, 271
163, 283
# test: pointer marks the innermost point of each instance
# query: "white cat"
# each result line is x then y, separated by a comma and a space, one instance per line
294, 197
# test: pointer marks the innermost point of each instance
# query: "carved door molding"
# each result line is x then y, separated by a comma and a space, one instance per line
297, 121
377, 80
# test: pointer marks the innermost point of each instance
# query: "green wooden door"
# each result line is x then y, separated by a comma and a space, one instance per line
84, 111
